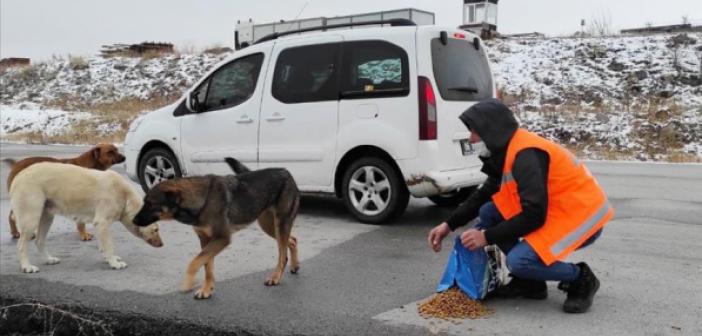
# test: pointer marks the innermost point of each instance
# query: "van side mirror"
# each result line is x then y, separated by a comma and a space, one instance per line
194, 102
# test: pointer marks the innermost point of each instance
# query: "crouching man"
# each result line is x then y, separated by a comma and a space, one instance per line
538, 204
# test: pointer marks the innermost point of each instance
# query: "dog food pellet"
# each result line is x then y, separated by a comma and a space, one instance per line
452, 304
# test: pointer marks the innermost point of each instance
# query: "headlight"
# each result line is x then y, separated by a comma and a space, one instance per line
135, 124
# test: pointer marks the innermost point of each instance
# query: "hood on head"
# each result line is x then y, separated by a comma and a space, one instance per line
493, 121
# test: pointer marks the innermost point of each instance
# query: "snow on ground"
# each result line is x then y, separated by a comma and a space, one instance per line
49, 122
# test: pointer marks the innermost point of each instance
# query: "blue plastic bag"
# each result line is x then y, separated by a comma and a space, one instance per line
470, 270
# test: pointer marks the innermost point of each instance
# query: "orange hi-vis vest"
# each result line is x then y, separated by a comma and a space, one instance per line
577, 206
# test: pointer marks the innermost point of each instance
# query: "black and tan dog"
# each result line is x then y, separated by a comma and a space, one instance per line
218, 206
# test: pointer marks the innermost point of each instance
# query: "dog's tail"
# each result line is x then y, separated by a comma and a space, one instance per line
236, 166
10, 162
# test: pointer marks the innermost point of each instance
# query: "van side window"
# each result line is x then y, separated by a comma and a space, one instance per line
202, 91
307, 74
374, 68
232, 84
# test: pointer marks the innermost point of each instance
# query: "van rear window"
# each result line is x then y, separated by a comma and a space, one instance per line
462, 72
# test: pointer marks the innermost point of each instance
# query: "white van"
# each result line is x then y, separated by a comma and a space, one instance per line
370, 115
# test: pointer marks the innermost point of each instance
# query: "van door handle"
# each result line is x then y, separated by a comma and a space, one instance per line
276, 116
244, 119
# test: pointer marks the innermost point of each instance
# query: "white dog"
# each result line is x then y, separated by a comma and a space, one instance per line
46, 189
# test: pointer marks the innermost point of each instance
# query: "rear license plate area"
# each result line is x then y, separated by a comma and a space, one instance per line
466, 147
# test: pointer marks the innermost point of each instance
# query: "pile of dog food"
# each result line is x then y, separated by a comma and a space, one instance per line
452, 304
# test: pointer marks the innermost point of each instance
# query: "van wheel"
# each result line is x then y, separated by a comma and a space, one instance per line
156, 165
452, 198
373, 191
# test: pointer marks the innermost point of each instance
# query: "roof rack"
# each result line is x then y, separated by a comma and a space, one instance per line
391, 22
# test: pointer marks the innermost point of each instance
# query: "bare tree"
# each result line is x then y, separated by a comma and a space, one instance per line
600, 24
674, 46
677, 43
685, 19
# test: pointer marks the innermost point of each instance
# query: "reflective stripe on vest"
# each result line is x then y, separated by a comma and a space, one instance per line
583, 229
507, 177
577, 206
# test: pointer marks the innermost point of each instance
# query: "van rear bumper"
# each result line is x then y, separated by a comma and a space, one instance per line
439, 182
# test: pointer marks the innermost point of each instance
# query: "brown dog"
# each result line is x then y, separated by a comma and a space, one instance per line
100, 157
218, 206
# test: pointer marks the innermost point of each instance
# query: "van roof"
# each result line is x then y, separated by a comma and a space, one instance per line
365, 31
350, 33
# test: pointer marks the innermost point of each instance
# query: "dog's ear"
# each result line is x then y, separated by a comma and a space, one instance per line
96, 153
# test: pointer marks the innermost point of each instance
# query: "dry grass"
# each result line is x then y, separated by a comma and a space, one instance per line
121, 110
681, 157
51, 320
28, 74
83, 133
77, 62
128, 108
640, 106
120, 113
673, 155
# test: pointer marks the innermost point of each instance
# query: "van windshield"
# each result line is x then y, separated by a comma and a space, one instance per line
462, 72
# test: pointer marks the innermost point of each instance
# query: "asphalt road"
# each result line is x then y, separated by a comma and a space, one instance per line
359, 279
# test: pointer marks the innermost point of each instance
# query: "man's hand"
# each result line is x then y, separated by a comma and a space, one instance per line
473, 239
437, 234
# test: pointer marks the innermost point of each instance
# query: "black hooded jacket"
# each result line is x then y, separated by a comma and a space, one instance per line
495, 124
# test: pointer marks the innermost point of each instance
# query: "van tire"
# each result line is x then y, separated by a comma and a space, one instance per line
163, 165
373, 191
452, 198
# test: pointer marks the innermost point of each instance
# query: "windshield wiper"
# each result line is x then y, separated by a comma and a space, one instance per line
469, 89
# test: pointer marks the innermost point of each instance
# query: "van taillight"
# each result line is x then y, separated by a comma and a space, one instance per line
427, 110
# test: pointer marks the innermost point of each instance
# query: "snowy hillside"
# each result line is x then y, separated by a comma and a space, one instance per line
608, 98
95, 80
612, 98
596, 72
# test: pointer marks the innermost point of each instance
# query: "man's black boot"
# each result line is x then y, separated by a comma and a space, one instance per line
581, 291
520, 287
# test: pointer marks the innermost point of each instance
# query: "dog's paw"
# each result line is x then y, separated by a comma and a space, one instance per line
30, 269
84, 236
272, 281
52, 260
294, 269
15, 235
116, 263
203, 293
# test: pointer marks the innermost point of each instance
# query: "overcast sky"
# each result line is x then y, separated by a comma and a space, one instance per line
41, 28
